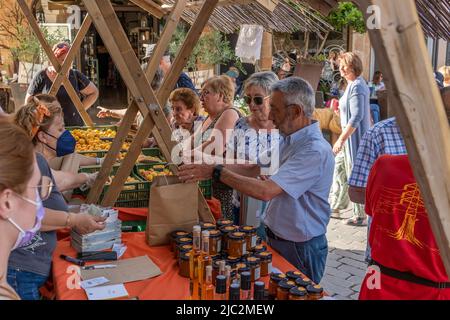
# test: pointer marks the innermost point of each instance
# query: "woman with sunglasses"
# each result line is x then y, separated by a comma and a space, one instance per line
29, 266
20, 206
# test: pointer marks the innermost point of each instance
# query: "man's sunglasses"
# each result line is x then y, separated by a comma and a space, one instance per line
256, 100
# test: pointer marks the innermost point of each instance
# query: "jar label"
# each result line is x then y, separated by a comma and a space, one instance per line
244, 248
257, 273
269, 267
219, 245
253, 241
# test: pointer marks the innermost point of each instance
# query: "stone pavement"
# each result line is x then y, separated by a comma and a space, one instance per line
345, 266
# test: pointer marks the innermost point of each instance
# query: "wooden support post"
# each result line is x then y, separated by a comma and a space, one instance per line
150, 6
401, 50
265, 63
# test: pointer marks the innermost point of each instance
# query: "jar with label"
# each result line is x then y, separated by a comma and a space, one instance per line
183, 249
254, 264
223, 222
266, 262
176, 235
226, 230
184, 265
207, 226
283, 289
233, 261
275, 278
241, 265
181, 242
294, 275
303, 281
298, 293
250, 236
215, 242
315, 292
236, 244
259, 248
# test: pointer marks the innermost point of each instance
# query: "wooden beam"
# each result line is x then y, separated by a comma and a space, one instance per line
269, 5
151, 7
400, 47
323, 6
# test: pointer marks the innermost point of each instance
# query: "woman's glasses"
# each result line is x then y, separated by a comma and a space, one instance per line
258, 100
44, 188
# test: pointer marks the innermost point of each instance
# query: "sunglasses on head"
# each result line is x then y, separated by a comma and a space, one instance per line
256, 100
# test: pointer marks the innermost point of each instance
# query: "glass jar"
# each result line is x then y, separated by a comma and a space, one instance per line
207, 226
241, 265
303, 281
184, 265
183, 249
233, 261
266, 262
315, 292
181, 242
294, 275
298, 293
254, 264
259, 248
250, 236
236, 244
273, 284
226, 230
215, 242
176, 235
283, 289
223, 222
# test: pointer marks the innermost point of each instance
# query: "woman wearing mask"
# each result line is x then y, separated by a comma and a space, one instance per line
21, 209
29, 266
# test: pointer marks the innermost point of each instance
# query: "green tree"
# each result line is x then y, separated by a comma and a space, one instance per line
347, 15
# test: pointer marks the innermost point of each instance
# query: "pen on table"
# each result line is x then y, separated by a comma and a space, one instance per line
73, 260
100, 266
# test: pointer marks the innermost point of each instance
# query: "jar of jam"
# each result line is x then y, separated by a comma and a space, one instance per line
183, 249
223, 222
294, 275
237, 244
225, 230
275, 278
181, 242
174, 236
283, 289
207, 226
215, 242
184, 265
266, 262
259, 248
250, 236
298, 293
303, 281
315, 292
240, 265
254, 264
233, 261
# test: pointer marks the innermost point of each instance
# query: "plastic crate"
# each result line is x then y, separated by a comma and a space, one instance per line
136, 194
134, 226
103, 127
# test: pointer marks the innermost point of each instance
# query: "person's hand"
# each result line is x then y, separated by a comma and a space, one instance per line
149, 143
85, 223
195, 172
103, 113
89, 180
338, 146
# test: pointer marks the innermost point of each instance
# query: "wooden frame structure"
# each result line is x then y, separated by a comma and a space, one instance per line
398, 44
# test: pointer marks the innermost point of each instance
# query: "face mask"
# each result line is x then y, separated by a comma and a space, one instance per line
65, 144
25, 237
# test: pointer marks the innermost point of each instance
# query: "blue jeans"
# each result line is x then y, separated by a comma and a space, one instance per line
375, 111
26, 284
309, 257
368, 250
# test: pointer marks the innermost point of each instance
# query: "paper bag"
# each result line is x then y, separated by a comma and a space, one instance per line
173, 206
69, 163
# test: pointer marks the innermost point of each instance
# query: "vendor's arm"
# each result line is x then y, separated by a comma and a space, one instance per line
68, 181
197, 172
112, 113
82, 222
90, 95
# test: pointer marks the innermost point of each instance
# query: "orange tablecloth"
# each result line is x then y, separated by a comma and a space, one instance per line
168, 286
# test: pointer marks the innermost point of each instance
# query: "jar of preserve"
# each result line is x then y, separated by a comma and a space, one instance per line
298, 293
259, 248
181, 242
250, 236
273, 284
183, 249
315, 292
294, 275
215, 242
266, 262
254, 264
184, 265
233, 261
223, 222
283, 289
303, 282
207, 226
236, 244
225, 230
174, 236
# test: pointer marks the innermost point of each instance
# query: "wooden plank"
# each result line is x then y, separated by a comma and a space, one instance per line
401, 50
269, 5
151, 7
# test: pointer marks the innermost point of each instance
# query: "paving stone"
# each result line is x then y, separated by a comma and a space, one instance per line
352, 270
334, 289
354, 296
328, 278
339, 297
355, 280
354, 263
333, 263
337, 273
353, 254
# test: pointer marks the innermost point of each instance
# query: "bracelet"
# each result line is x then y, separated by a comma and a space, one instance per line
67, 220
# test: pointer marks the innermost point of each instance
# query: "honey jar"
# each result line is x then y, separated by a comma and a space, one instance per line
223, 222
275, 278
215, 242
259, 248
294, 275
283, 289
181, 242
298, 293
184, 265
226, 230
250, 236
266, 262
254, 264
183, 249
315, 292
237, 244
241, 265
233, 261
176, 235
207, 226
303, 281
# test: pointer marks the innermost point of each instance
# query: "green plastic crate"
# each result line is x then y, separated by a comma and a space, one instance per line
134, 226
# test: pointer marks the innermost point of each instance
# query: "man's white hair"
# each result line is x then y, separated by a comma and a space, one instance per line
297, 91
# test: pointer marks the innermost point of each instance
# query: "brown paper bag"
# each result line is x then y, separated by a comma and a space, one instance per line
173, 206
69, 163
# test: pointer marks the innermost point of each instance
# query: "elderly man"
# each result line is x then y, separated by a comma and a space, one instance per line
298, 212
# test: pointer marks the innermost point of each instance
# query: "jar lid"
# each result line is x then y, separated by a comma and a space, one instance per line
286, 284
227, 229
244, 269
185, 255
207, 226
233, 260
215, 257
314, 289
265, 255
241, 265
215, 233
293, 275
247, 229
224, 222
253, 260
185, 247
236, 235
178, 234
303, 281
298, 291
259, 248
277, 276
184, 240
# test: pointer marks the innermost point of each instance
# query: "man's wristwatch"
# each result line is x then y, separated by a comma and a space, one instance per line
217, 172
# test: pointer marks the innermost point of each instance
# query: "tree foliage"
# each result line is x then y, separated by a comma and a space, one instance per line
347, 15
